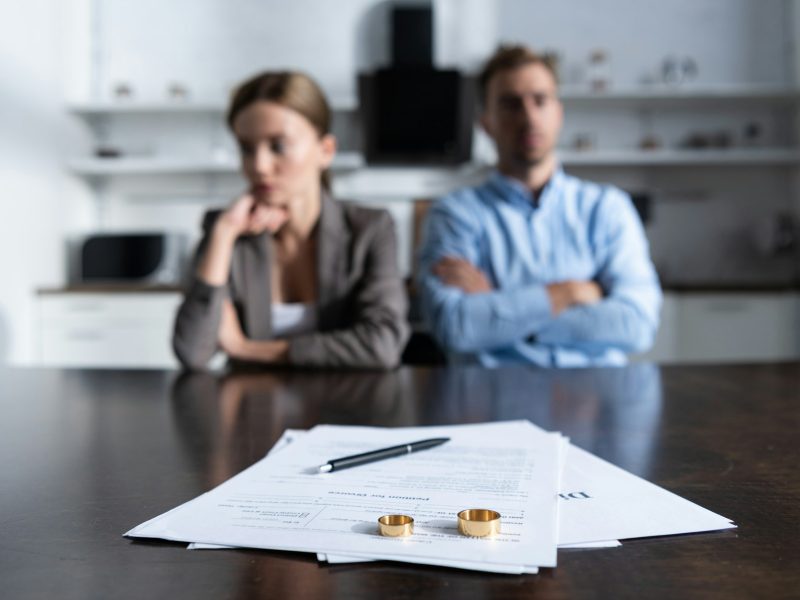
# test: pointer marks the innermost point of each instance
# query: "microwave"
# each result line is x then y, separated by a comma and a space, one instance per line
155, 258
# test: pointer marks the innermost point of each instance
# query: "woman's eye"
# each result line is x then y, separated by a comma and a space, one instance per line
278, 147
246, 149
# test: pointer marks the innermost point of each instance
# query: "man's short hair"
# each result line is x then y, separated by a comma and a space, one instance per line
510, 57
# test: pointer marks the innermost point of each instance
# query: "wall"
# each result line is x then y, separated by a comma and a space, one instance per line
211, 45
733, 41
40, 203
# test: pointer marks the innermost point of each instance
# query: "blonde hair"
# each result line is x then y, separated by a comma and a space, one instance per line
291, 89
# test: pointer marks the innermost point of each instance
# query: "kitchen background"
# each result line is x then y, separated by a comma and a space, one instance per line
111, 120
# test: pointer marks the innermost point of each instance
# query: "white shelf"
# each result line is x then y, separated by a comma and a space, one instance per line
137, 107
658, 94
164, 165
131, 107
148, 166
699, 158
354, 161
687, 94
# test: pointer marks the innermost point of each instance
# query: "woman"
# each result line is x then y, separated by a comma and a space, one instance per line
287, 275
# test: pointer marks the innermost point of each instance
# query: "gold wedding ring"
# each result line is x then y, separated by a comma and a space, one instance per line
479, 522
396, 525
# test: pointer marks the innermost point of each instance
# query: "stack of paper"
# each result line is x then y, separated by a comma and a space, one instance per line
550, 494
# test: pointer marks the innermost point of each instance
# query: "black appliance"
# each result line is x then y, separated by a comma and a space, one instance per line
412, 37
146, 258
412, 112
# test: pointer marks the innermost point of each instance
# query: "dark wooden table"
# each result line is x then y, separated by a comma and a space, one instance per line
86, 455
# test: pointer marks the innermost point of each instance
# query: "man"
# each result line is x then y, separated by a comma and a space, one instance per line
535, 266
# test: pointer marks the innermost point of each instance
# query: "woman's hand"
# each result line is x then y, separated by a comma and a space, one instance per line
235, 344
246, 216
231, 337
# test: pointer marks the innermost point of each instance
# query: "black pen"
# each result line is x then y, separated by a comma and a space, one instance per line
367, 457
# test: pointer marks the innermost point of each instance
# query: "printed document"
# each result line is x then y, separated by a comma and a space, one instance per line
598, 502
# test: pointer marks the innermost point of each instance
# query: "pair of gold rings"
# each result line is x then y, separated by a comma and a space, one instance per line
472, 522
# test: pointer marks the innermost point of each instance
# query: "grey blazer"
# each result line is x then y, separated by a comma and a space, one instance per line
361, 302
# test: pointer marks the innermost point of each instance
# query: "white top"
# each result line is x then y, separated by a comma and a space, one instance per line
293, 318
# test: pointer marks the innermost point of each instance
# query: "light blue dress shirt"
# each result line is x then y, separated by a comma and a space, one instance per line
576, 230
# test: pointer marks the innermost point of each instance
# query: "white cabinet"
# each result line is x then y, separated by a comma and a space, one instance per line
101, 329
727, 327
738, 327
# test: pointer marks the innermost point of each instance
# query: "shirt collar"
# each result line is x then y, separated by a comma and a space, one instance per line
517, 193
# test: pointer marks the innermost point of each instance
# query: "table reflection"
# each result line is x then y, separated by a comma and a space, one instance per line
614, 413
237, 417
